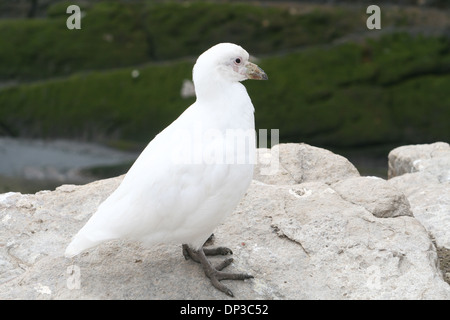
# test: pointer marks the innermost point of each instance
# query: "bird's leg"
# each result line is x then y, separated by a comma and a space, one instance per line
214, 273
189, 253
208, 251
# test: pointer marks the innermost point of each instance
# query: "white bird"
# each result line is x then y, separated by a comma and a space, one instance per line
192, 174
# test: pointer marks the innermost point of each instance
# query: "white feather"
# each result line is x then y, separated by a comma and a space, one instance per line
174, 192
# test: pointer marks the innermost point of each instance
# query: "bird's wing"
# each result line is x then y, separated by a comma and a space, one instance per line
164, 198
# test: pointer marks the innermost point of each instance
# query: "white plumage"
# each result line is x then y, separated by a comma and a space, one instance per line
193, 174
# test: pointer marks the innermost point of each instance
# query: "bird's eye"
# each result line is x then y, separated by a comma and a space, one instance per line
237, 61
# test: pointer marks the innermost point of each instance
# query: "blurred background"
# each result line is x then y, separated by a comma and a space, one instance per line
79, 105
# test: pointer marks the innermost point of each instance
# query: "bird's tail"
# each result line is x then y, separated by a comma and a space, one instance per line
94, 232
79, 244
86, 239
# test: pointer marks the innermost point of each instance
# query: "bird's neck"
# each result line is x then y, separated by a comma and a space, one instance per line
220, 93
227, 103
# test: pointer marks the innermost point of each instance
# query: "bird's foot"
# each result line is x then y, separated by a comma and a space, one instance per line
217, 251
189, 253
214, 273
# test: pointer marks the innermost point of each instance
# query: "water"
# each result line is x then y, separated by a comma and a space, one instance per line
52, 162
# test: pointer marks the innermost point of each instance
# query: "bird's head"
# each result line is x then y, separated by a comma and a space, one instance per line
226, 62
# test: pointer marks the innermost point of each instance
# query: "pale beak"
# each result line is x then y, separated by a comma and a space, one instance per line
252, 71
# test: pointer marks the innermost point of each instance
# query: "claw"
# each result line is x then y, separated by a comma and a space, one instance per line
214, 273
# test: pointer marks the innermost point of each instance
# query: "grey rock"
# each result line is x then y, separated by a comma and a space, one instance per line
354, 255
292, 163
308, 240
422, 173
375, 195
433, 158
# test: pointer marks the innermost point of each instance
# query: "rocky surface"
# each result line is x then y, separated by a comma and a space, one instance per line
422, 173
312, 229
292, 163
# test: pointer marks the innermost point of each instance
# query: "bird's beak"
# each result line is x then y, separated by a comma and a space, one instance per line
252, 71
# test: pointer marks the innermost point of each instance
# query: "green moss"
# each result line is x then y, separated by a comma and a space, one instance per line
98, 105
400, 56
421, 108
41, 48
115, 34
181, 30
353, 94
346, 95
